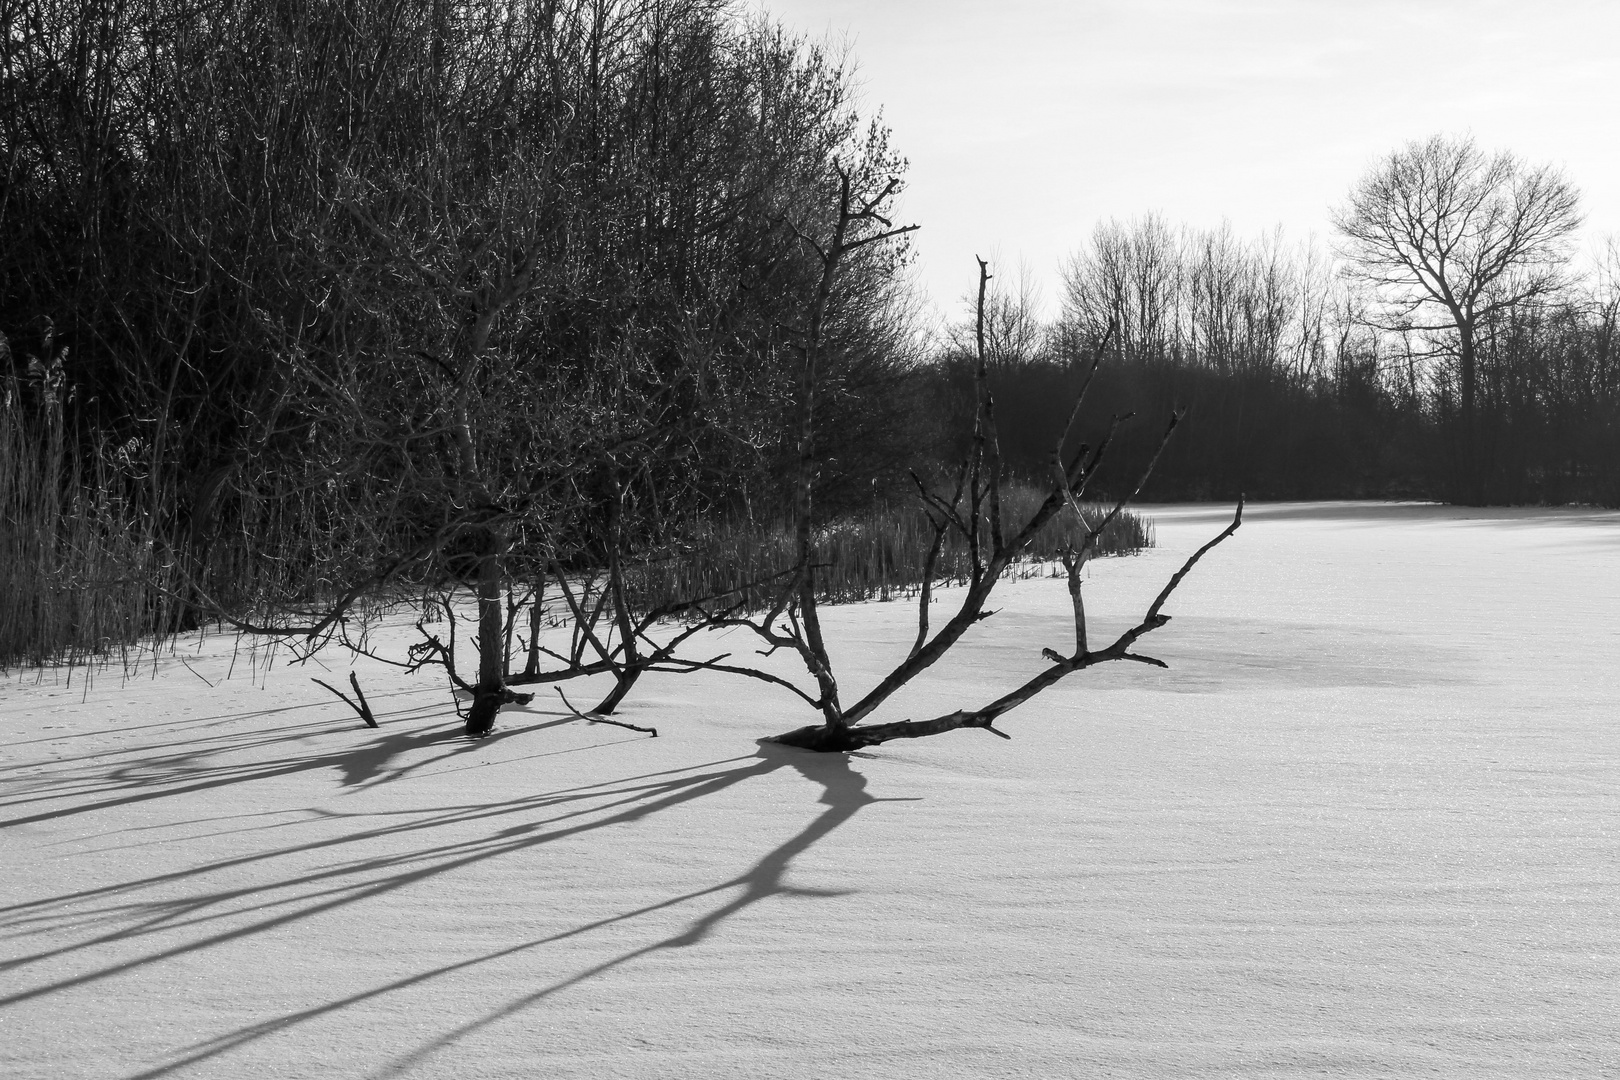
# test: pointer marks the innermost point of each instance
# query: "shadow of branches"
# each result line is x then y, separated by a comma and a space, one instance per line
215, 902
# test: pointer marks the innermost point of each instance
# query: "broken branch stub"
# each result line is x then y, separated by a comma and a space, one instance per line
361, 707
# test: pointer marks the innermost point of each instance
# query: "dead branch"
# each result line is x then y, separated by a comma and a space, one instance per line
594, 717
981, 470
1170, 586
359, 705
433, 651
821, 738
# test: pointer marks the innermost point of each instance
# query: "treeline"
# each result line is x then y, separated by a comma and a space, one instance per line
1296, 386
303, 300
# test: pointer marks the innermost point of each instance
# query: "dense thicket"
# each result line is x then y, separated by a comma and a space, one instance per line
352, 289
1295, 391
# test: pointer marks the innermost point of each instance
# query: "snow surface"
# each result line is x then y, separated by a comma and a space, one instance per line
1367, 825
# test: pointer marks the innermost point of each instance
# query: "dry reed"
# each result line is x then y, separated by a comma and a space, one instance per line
877, 555
80, 574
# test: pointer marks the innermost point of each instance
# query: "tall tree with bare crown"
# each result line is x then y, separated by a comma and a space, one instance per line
1447, 235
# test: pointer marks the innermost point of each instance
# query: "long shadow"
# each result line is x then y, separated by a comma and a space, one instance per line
185, 769
220, 718
280, 818
332, 887
439, 815
843, 792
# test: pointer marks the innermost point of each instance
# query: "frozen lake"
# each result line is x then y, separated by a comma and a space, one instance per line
1367, 825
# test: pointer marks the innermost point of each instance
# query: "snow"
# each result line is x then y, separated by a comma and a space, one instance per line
1367, 825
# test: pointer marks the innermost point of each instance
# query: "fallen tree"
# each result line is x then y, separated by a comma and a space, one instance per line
972, 508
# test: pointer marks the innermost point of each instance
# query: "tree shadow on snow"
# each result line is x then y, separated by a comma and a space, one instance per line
196, 763
213, 917
843, 793
328, 887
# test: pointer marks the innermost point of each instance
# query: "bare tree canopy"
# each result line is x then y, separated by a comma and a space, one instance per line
1441, 223
1448, 235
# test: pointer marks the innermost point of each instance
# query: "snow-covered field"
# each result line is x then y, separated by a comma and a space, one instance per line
1367, 825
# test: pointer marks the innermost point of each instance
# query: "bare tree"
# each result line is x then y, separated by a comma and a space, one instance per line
1442, 227
1131, 280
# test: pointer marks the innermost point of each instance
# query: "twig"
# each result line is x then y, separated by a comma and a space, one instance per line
597, 718
191, 669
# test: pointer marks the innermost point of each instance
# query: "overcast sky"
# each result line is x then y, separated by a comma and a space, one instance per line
1028, 121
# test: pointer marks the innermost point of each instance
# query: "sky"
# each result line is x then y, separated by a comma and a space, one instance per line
1027, 122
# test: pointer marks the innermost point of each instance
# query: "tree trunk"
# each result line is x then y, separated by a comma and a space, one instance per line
1472, 474
536, 617
490, 693
621, 688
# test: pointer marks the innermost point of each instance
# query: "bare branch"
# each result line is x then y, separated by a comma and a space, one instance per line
1170, 587
598, 718
361, 707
